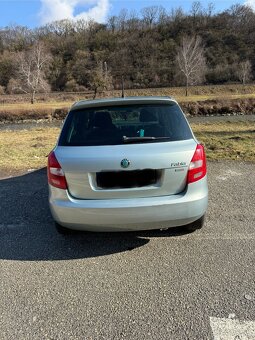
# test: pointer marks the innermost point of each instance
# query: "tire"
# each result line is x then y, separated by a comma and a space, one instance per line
198, 224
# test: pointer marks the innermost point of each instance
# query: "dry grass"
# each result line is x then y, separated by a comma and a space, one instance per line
195, 98
196, 93
228, 140
199, 105
202, 100
27, 149
36, 106
19, 113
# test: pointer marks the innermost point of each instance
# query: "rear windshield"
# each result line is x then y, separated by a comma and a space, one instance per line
113, 125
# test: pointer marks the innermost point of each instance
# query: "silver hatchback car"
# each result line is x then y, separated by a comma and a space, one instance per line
127, 164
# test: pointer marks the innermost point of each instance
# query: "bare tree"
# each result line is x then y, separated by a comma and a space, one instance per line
121, 19
16, 38
61, 28
112, 23
210, 9
196, 9
32, 65
177, 14
133, 22
241, 14
244, 72
150, 15
191, 60
162, 16
100, 78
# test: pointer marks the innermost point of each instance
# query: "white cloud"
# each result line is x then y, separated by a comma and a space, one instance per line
250, 3
52, 10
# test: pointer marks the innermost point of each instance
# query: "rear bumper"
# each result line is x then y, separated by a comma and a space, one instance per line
130, 214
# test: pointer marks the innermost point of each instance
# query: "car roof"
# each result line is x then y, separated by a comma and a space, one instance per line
121, 101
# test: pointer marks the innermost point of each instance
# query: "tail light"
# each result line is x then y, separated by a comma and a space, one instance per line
56, 176
197, 167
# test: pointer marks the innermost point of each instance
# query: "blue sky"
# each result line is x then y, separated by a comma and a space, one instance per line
33, 13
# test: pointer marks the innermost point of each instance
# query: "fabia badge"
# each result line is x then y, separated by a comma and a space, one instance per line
125, 163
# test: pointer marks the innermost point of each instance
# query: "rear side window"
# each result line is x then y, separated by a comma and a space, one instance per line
113, 125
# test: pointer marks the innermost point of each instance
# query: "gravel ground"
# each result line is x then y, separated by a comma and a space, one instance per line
149, 285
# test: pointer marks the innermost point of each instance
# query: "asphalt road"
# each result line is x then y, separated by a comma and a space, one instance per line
149, 285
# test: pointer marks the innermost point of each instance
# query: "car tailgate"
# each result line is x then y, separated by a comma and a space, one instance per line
154, 169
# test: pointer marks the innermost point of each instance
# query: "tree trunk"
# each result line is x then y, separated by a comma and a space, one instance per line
95, 93
33, 97
122, 87
187, 85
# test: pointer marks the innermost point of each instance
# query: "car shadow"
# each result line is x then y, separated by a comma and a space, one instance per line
27, 231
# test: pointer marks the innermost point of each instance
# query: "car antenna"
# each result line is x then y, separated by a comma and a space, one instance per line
122, 87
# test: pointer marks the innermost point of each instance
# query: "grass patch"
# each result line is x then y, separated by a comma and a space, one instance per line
195, 106
49, 104
36, 106
205, 92
195, 98
228, 140
28, 149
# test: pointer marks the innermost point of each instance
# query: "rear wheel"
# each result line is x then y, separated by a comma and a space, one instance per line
198, 224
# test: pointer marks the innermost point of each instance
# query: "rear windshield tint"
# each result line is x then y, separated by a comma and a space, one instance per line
113, 125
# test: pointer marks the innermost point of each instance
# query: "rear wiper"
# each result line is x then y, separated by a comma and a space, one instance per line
141, 139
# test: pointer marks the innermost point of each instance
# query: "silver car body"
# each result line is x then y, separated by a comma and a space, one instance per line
168, 202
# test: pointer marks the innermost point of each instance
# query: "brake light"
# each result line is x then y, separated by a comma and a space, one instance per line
197, 167
56, 176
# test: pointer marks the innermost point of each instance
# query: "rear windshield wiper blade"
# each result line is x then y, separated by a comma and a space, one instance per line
141, 139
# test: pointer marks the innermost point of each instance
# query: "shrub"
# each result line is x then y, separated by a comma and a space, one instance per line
2, 90
13, 87
73, 86
60, 113
24, 114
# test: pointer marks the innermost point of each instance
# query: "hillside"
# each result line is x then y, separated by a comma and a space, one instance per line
140, 47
